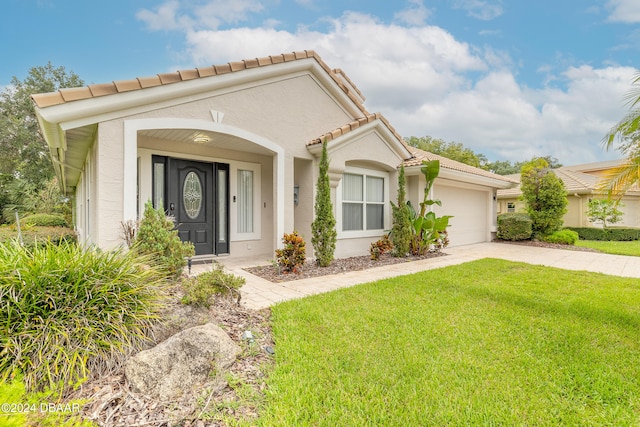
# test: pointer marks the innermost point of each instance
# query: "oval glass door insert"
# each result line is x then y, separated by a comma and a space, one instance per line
192, 195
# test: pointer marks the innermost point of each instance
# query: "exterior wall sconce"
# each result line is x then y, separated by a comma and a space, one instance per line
296, 195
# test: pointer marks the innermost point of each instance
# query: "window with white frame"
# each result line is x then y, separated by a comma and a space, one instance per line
246, 201
363, 201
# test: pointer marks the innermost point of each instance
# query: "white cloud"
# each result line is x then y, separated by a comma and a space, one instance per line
624, 11
415, 14
480, 9
426, 82
197, 15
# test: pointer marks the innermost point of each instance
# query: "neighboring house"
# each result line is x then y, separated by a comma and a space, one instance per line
232, 152
582, 184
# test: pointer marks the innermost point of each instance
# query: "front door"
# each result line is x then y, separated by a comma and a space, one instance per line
194, 199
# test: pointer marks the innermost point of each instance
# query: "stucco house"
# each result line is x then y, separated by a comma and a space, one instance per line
582, 184
232, 152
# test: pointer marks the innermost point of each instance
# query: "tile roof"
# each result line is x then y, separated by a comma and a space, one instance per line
343, 130
43, 100
574, 182
420, 155
66, 95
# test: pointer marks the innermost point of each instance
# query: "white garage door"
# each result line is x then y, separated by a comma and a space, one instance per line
469, 208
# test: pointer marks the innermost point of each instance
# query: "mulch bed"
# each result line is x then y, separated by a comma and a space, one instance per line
111, 402
340, 265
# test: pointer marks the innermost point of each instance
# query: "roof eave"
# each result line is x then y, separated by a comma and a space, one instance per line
466, 177
378, 126
93, 110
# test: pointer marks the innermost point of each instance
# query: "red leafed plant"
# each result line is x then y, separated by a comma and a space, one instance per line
292, 256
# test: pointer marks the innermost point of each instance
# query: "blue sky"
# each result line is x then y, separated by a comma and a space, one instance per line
509, 79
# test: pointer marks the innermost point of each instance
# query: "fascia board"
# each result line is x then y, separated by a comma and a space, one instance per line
455, 175
374, 126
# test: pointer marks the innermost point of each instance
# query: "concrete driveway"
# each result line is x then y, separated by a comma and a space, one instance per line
258, 293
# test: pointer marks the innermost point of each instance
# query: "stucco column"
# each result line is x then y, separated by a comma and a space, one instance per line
335, 175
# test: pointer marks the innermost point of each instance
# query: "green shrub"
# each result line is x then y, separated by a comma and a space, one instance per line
45, 220
201, 290
514, 226
157, 237
323, 227
563, 237
380, 247
293, 255
35, 414
65, 311
402, 229
607, 234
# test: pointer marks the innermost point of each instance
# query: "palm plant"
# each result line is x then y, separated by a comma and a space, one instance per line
627, 134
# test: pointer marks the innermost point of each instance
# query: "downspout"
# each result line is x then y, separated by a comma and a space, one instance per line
581, 209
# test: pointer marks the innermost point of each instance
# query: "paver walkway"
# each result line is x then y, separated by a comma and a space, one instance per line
259, 293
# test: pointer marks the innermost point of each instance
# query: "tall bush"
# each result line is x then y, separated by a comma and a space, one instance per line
65, 310
157, 237
323, 227
546, 197
429, 231
401, 229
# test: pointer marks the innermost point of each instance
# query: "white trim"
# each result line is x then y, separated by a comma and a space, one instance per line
376, 126
131, 128
257, 201
387, 211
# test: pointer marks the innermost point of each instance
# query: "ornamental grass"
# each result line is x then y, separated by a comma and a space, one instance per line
66, 311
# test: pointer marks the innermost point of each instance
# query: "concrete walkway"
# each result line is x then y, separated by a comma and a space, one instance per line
258, 293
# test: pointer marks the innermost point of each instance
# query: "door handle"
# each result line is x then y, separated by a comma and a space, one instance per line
172, 206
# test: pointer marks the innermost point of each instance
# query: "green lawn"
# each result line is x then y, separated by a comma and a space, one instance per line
616, 248
489, 342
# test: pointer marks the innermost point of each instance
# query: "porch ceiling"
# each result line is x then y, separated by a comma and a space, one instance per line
206, 138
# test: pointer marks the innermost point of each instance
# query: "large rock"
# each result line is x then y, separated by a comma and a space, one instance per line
182, 363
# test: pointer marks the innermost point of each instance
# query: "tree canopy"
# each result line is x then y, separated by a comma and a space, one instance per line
25, 165
458, 152
625, 136
545, 195
25, 154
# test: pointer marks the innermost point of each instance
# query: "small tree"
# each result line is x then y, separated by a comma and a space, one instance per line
604, 211
323, 227
401, 230
156, 236
545, 195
